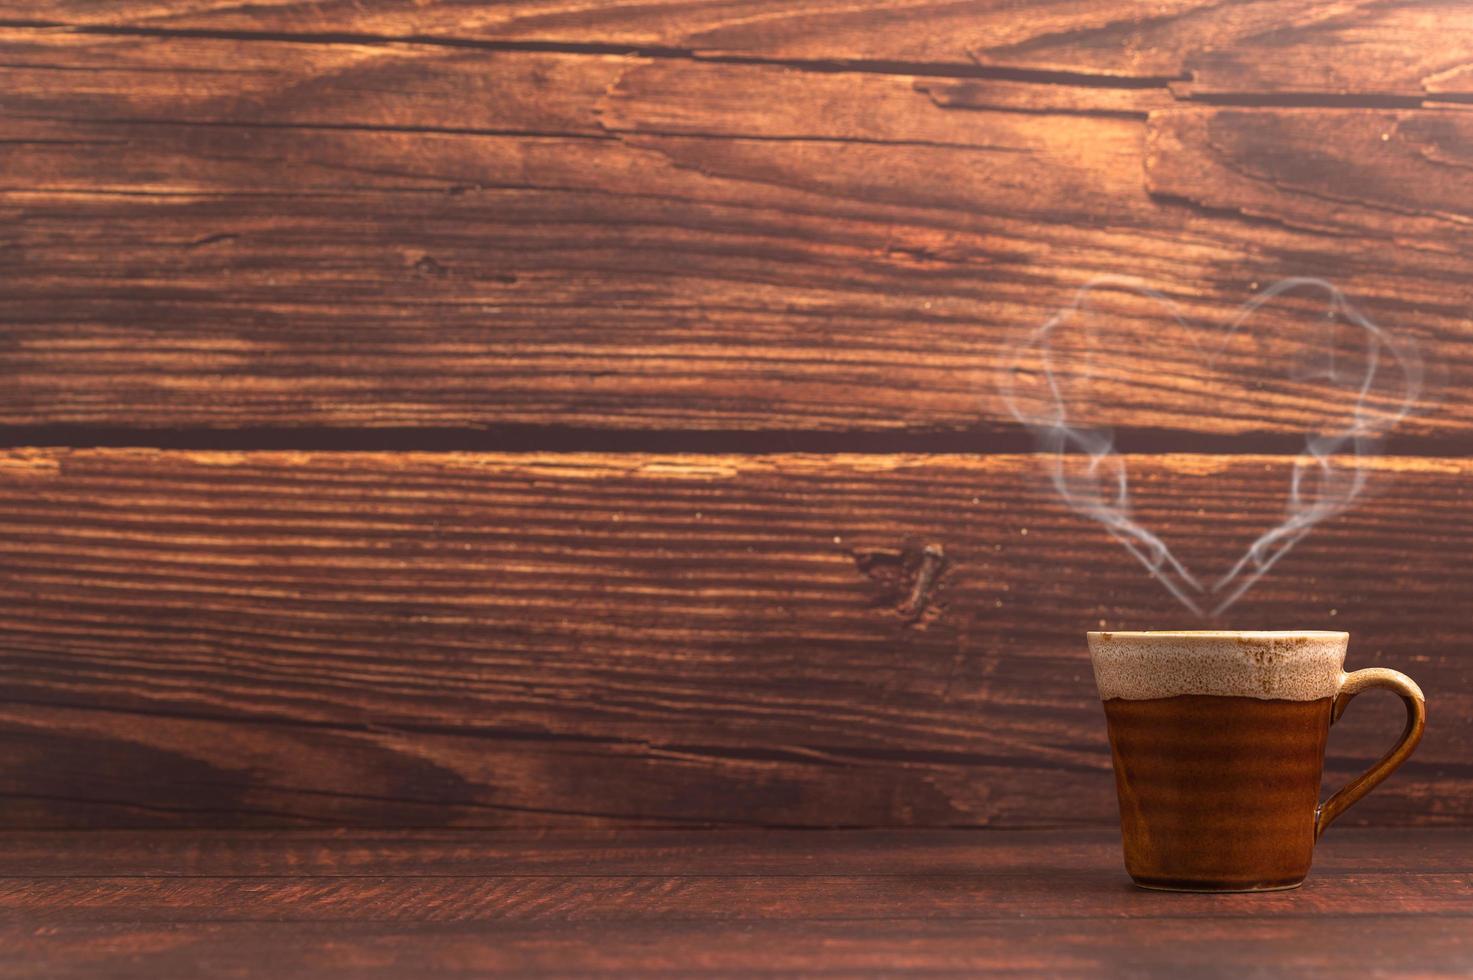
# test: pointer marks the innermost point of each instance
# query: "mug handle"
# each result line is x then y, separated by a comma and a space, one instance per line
1411, 695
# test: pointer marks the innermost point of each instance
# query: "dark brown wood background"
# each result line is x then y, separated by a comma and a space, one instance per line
539, 414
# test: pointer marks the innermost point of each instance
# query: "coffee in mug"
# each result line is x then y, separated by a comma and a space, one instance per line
1218, 739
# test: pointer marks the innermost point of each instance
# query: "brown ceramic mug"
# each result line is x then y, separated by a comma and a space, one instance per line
1218, 740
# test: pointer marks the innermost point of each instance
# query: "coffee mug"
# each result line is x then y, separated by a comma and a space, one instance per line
1218, 739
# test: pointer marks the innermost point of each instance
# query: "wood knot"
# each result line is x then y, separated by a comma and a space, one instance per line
426, 265
910, 579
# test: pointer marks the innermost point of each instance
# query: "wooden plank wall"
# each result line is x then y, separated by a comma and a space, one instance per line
452, 414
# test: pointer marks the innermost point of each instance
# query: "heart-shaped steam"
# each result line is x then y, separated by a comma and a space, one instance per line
1097, 484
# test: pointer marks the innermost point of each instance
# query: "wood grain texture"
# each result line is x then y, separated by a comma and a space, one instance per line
1407, 49
744, 225
1269, 164
1434, 945
1415, 51
1388, 902
243, 232
287, 639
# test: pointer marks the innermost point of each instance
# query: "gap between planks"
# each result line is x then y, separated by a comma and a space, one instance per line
558, 440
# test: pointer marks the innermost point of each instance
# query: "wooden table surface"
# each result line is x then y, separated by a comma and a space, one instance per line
432, 903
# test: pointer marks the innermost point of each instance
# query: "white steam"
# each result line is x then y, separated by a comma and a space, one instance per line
1097, 486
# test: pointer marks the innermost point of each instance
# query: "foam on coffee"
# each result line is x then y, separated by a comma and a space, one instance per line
1288, 666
